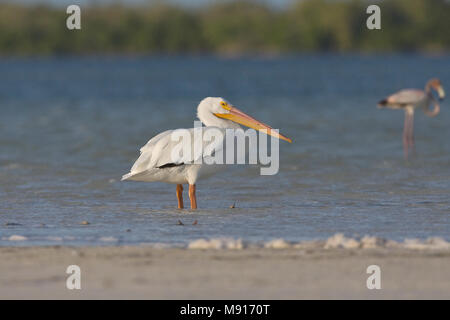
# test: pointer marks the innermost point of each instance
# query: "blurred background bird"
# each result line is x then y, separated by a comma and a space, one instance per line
411, 99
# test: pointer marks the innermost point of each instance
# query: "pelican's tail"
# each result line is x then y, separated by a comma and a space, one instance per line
126, 176
136, 176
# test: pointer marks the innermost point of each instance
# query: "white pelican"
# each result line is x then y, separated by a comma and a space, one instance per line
409, 100
156, 161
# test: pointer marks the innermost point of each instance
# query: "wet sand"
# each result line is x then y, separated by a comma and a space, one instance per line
258, 273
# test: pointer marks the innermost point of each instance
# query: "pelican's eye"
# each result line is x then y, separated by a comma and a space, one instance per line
225, 105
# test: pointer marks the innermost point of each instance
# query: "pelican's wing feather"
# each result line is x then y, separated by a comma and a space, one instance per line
167, 149
150, 151
154, 140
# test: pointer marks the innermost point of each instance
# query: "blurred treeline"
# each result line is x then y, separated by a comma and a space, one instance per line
228, 27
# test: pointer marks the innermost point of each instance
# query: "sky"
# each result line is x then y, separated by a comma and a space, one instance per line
275, 3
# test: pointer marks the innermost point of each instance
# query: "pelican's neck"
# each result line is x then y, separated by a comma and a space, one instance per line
210, 120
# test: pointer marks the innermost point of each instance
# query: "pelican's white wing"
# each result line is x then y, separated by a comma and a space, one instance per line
166, 150
143, 162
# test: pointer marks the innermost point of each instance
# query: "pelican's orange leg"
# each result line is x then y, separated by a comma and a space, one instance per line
180, 196
192, 196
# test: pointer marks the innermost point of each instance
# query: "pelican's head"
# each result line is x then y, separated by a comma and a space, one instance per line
218, 112
436, 85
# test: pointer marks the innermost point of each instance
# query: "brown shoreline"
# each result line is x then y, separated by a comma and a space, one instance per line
258, 273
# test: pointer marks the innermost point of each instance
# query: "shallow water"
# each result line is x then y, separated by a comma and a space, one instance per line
70, 127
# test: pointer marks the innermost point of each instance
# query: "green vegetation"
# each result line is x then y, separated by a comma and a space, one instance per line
230, 27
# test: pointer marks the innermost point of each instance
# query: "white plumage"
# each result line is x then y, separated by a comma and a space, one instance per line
158, 163
161, 161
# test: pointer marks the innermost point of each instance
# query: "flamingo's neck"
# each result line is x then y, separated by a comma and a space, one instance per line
436, 109
428, 88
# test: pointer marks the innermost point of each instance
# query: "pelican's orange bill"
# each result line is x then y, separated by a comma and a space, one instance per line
240, 117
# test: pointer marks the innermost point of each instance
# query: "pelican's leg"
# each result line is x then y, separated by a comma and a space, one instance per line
180, 196
192, 196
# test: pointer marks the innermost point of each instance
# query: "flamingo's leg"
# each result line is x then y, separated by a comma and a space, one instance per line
192, 196
405, 136
180, 196
410, 129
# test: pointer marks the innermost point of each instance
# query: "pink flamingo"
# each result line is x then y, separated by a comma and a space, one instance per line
409, 100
